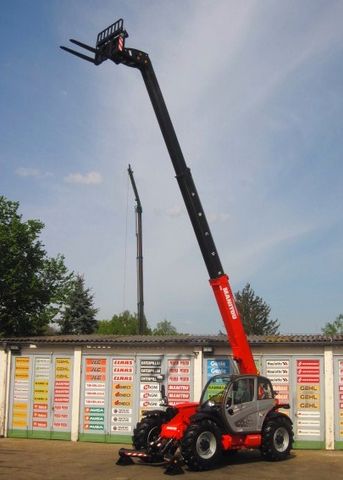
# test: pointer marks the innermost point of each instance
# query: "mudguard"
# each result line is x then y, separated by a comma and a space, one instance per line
167, 414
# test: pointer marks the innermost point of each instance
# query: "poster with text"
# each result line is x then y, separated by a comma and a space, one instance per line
62, 395
340, 399
41, 379
123, 376
179, 380
94, 395
308, 398
150, 370
21, 393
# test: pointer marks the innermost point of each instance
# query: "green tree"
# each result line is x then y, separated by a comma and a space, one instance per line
79, 313
255, 313
32, 285
335, 327
125, 323
164, 328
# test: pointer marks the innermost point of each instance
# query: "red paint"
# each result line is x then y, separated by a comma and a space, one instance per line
235, 442
233, 324
177, 426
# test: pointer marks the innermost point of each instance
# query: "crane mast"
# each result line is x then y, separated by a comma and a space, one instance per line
110, 45
139, 237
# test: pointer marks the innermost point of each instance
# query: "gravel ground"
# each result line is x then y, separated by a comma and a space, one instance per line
22, 459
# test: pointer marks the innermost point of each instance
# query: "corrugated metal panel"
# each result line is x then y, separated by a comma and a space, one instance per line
171, 340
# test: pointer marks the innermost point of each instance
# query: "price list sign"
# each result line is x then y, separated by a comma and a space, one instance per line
62, 394
40, 411
95, 390
149, 390
308, 398
278, 373
21, 392
123, 370
340, 398
179, 381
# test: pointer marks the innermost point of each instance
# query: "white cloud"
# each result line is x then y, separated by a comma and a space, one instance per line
218, 217
31, 172
90, 178
175, 211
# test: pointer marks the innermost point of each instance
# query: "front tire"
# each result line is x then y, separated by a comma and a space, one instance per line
146, 431
201, 445
277, 438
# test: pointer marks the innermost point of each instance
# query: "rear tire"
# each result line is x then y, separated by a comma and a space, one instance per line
277, 438
146, 431
201, 445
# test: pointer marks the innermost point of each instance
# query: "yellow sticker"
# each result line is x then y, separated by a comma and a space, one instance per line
41, 383
22, 360
19, 423
19, 414
311, 405
308, 388
19, 406
40, 398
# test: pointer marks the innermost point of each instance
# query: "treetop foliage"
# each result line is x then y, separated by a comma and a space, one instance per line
164, 328
78, 316
335, 327
255, 313
32, 285
125, 323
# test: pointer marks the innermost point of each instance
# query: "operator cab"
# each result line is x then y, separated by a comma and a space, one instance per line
242, 401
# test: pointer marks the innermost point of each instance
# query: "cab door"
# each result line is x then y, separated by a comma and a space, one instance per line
265, 400
241, 413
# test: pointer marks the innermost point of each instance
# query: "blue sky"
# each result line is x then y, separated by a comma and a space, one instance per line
255, 92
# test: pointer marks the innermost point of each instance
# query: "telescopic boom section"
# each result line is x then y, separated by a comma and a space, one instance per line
111, 45
139, 236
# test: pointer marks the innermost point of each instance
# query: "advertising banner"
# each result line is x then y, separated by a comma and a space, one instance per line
21, 393
62, 395
123, 377
277, 370
149, 387
179, 380
94, 395
41, 381
308, 398
340, 400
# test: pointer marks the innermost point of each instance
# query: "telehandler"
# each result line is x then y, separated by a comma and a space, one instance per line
235, 411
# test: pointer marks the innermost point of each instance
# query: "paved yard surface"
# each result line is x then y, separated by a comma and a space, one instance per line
57, 460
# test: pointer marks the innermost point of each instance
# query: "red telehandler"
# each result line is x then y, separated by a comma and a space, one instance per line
235, 411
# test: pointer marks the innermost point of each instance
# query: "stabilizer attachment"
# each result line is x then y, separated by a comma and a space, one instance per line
126, 455
124, 460
174, 467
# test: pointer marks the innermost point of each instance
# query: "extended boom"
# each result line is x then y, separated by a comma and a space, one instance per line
111, 46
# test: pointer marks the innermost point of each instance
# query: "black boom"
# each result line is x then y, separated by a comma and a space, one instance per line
110, 45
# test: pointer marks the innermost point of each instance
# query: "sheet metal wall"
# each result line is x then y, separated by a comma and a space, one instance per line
338, 396
116, 389
40, 396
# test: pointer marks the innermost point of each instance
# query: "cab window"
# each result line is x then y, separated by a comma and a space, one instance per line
264, 390
243, 390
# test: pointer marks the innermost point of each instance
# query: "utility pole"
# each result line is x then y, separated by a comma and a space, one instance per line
139, 237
